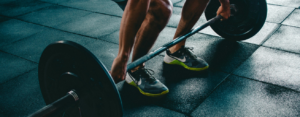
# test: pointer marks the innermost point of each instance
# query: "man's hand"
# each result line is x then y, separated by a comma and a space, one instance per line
224, 9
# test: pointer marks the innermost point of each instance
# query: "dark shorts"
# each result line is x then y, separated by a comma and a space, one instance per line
121, 3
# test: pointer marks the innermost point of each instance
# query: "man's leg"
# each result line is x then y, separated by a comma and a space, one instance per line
179, 55
155, 21
133, 16
191, 13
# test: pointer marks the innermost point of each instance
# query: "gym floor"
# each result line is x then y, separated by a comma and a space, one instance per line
256, 77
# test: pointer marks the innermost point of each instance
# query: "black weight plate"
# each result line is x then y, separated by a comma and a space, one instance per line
66, 65
246, 22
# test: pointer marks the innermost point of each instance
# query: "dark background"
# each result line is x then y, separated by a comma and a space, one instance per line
256, 77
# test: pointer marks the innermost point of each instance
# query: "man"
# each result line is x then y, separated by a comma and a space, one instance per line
141, 24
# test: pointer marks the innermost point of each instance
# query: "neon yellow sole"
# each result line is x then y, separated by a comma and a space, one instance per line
176, 62
149, 94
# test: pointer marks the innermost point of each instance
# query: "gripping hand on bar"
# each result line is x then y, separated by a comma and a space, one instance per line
224, 9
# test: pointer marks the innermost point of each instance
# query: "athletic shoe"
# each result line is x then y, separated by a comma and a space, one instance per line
185, 57
146, 83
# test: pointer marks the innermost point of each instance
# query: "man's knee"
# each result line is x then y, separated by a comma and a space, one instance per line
160, 11
162, 8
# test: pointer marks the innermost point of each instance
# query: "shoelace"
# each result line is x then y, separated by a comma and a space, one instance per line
190, 53
148, 75
190, 48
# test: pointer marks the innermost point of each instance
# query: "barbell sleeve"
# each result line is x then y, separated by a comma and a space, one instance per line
58, 106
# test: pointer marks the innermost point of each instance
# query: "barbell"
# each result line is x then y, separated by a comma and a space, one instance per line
75, 83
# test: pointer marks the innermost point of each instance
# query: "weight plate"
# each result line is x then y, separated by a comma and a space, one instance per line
64, 66
249, 17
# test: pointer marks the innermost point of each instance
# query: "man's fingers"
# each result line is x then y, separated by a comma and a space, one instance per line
224, 12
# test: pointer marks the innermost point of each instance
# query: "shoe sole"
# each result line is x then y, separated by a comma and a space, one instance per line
148, 94
176, 62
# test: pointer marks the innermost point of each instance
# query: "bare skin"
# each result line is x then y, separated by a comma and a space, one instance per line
224, 9
191, 13
141, 23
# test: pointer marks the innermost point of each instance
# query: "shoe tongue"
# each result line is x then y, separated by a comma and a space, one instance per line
146, 75
143, 72
189, 52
